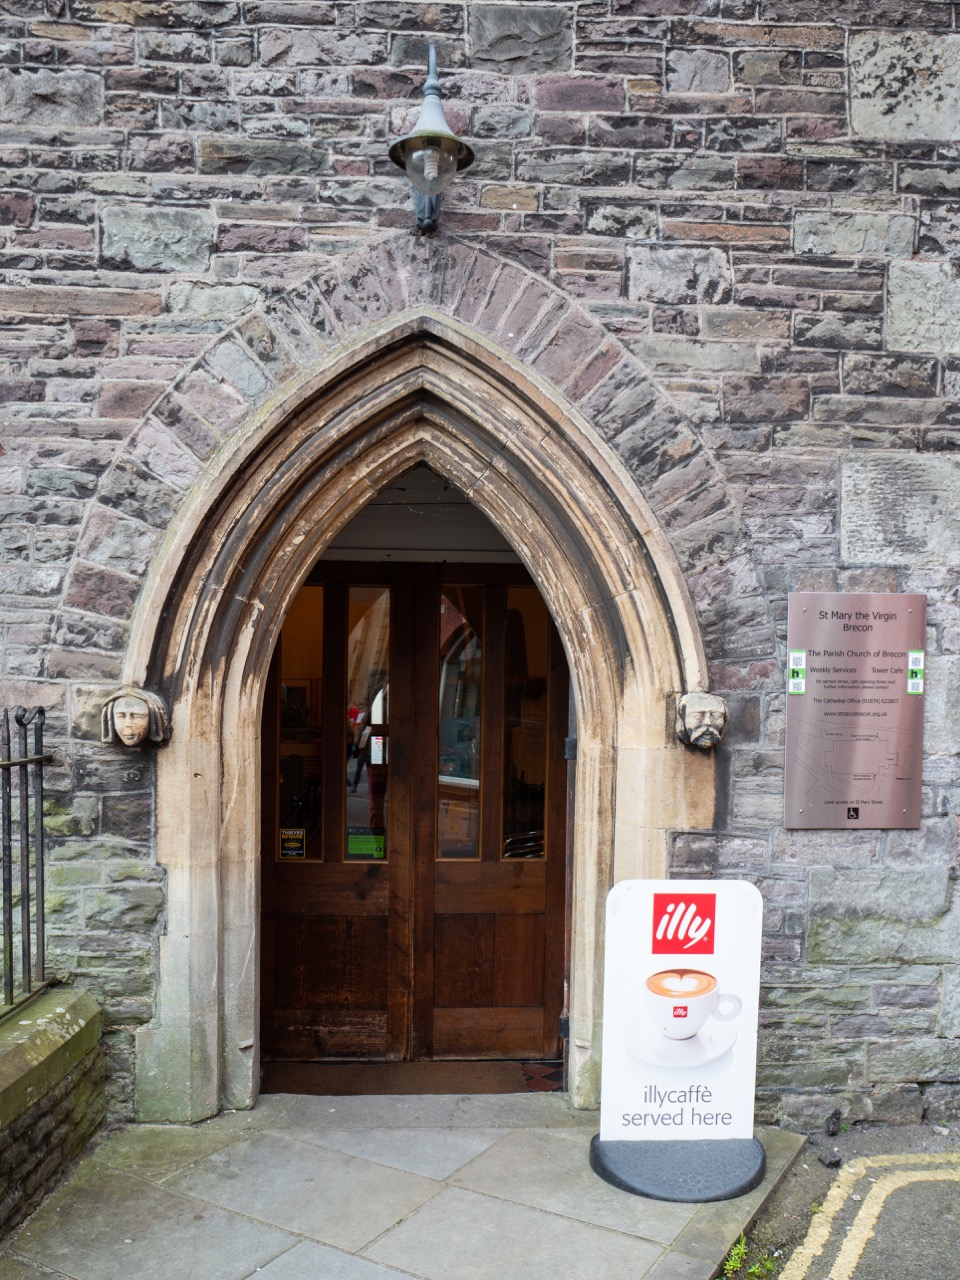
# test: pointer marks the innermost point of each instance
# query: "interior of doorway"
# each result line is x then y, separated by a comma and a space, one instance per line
352, 1045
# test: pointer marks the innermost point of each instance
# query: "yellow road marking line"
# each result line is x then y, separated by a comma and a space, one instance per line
822, 1224
863, 1226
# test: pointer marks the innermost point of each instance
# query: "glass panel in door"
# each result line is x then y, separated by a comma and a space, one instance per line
367, 722
458, 730
526, 662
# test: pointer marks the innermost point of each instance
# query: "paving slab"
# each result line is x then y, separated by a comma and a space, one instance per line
413, 1111
107, 1225
680, 1266
435, 1153
313, 1191
310, 1261
154, 1150
476, 1237
548, 1171
14, 1269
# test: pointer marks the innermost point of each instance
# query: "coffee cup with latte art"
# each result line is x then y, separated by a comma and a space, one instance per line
680, 1001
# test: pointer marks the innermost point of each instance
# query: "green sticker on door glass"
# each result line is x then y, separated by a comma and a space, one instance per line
366, 842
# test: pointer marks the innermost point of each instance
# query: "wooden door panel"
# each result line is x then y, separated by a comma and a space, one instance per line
488, 961
518, 960
331, 889
497, 887
487, 1033
288, 950
464, 958
347, 1034
345, 964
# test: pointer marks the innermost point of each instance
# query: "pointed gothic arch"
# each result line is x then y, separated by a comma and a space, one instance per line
418, 389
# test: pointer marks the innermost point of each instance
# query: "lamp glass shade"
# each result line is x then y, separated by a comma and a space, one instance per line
431, 162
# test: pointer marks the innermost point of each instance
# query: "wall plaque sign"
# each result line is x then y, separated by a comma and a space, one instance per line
855, 688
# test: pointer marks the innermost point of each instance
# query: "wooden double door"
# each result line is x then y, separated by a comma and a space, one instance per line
414, 818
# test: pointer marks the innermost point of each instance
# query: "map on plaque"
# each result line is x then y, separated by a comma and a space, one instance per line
855, 688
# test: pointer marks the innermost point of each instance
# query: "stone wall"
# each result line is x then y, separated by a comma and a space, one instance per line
38, 1146
52, 1095
759, 201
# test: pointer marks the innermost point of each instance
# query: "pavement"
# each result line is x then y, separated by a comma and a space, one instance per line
373, 1188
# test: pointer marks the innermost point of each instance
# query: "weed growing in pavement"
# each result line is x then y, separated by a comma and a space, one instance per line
735, 1258
765, 1266
735, 1264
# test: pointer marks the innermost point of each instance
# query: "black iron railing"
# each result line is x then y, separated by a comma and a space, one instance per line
18, 761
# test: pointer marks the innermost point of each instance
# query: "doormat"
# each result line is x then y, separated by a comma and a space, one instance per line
336, 1079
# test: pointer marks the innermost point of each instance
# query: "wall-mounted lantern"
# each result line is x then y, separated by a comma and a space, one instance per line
432, 154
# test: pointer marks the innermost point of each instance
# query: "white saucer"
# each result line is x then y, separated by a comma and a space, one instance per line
711, 1042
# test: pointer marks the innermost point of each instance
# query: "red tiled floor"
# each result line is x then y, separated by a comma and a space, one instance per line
543, 1077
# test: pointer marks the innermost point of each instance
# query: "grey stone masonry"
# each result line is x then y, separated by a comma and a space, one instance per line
726, 233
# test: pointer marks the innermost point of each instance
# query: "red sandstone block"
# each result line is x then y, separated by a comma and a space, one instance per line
597, 367
128, 399
816, 128
579, 93
592, 285
568, 350
724, 232
523, 312
801, 102
458, 268
752, 35
16, 209
17, 390
55, 238
127, 111
101, 591
96, 338
562, 131
769, 173
366, 284
477, 289
249, 237
46, 300
342, 305
510, 283
214, 400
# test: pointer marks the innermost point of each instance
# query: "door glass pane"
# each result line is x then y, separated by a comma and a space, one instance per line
301, 665
458, 792
525, 723
368, 721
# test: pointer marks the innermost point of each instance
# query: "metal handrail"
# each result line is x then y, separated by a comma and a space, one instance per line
28, 766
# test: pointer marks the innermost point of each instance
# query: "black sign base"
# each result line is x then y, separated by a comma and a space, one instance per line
696, 1171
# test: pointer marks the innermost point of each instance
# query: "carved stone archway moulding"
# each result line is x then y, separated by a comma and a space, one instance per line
408, 388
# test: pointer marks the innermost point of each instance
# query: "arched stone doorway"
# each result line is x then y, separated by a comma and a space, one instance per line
420, 390
414, 835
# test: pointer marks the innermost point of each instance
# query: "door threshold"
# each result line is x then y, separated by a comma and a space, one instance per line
339, 1079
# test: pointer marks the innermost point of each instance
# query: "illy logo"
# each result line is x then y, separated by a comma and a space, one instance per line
683, 922
679, 1010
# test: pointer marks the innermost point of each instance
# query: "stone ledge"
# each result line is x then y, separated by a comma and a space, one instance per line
40, 1043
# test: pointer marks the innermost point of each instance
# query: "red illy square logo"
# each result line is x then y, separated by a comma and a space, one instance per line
683, 923
680, 1010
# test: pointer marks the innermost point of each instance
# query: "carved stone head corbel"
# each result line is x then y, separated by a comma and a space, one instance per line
701, 719
132, 716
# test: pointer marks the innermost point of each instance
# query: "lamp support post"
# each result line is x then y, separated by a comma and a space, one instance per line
426, 212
